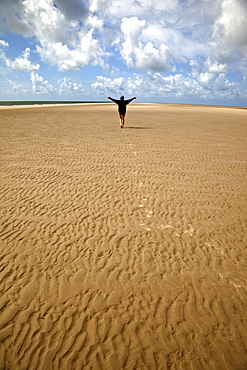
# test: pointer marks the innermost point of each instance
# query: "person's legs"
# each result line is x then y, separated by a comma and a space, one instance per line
121, 116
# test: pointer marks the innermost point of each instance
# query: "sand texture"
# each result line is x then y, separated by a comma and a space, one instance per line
123, 249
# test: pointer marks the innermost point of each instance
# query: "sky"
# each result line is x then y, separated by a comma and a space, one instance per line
164, 51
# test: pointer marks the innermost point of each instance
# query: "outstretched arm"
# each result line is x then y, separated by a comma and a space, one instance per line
130, 100
114, 100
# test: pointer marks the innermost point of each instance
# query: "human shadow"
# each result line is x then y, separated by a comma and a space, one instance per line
136, 127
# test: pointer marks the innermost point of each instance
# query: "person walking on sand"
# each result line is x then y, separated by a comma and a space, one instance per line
121, 108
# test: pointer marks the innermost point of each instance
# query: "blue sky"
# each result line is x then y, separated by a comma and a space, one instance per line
166, 51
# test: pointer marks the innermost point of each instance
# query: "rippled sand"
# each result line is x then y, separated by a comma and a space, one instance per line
123, 249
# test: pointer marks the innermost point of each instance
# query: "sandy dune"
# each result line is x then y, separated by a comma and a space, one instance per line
123, 249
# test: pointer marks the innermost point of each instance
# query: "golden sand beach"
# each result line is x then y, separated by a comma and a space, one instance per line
123, 249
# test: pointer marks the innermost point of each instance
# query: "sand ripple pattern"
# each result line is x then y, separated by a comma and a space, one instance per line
123, 249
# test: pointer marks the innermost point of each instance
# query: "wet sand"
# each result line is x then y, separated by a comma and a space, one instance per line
123, 249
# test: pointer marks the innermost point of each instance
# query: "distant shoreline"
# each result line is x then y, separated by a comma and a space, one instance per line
45, 102
29, 104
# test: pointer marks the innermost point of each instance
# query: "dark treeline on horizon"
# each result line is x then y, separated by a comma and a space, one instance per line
32, 102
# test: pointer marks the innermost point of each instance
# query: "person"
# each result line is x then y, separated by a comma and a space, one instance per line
121, 108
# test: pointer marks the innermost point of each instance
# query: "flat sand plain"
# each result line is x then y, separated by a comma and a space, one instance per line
123, 249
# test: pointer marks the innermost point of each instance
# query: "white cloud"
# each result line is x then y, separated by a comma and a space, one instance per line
140, 8
64, 31
200, 42
99, 5
48, 22
67, 86
230, 31
3, 44
215, 67
148, 33
204, 78
231, 23
103, 85
179, 44
67, 59
17, 88
22, 63
40, 85
139, 55
204, 86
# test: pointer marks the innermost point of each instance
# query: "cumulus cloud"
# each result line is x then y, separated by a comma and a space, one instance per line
67, 86
148, 34
199, 42
40, 85
204, 85
182, 46
140, 8
17, 88
99, 5
67, 59
139, 55
103, 85
215, 67
231, 23
205, 78
22, 63
3, 44
229, 33
64, 31
184, 27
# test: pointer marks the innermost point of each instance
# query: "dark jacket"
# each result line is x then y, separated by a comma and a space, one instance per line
121, 104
